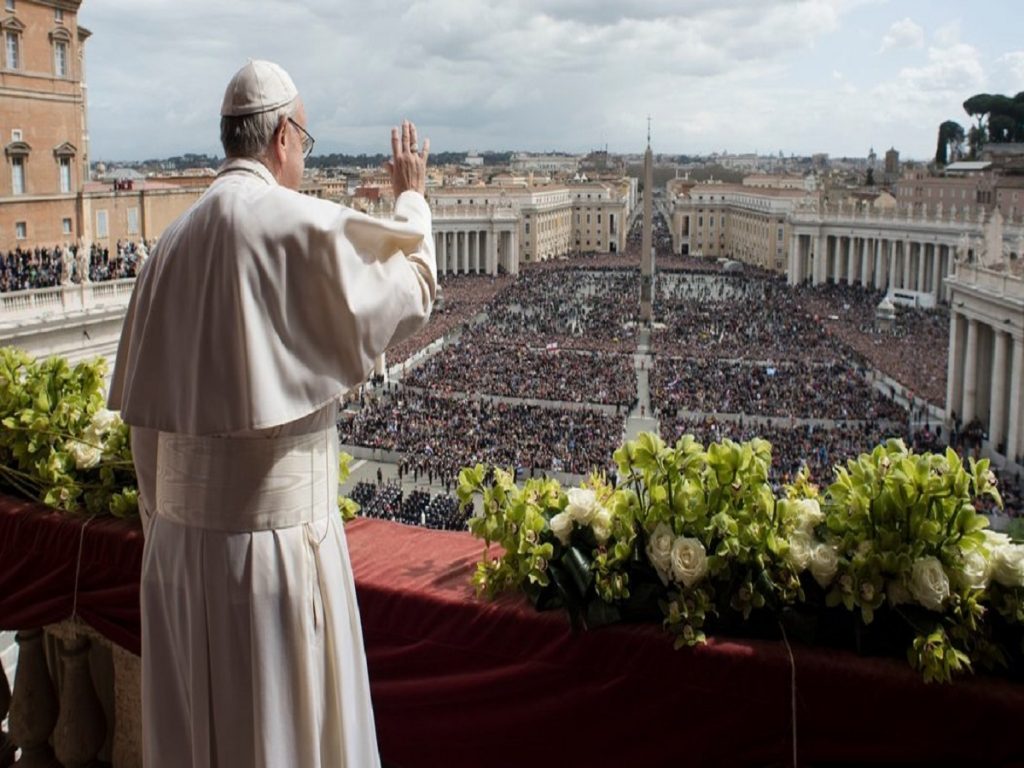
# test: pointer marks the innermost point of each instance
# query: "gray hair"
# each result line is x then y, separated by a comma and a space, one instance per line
250, 135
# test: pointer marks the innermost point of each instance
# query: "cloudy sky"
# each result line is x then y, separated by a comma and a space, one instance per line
797, 76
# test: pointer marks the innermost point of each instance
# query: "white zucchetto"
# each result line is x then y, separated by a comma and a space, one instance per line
260, 86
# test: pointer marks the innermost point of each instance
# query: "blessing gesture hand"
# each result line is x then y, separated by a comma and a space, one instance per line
408, 163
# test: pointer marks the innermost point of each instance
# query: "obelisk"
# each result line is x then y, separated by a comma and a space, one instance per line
646, 244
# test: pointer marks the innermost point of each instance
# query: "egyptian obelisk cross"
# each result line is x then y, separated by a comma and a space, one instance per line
646, 245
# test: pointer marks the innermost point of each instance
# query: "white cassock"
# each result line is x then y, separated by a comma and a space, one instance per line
257, 309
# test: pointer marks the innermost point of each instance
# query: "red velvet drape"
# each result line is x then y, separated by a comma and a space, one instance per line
461, 682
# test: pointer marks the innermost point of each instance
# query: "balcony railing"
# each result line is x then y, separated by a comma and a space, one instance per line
63, 300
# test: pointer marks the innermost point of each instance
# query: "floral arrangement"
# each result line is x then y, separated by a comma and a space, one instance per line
695, 536
59, 445
62, 447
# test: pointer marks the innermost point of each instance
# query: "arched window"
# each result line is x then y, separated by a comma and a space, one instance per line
17, 153
60, 40
12, 29
64, 154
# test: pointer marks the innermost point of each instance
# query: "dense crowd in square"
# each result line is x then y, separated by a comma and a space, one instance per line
23, 269
440, 435
477, 363
915, 352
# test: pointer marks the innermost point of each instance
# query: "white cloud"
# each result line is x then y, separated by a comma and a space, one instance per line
903, 34
536, 74
1010, 69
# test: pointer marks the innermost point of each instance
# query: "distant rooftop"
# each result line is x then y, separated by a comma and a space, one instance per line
964, 166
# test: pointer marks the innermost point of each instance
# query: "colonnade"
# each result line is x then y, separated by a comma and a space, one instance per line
878, 261
468, 250
986, 379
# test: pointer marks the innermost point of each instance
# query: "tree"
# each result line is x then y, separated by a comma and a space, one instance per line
950, 143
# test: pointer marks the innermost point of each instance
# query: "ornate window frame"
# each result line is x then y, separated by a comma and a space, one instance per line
11, 26
60, 36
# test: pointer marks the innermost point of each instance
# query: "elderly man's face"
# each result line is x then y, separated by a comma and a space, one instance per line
295, 162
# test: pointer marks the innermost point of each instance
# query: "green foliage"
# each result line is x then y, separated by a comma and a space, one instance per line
999, 118
61, 447
699, 533
950, 142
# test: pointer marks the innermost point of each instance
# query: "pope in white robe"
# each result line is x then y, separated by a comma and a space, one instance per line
255, 312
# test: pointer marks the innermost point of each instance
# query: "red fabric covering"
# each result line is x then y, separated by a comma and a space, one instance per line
38, 559
460, 682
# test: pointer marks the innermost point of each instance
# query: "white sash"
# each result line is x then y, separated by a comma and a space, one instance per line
238, 484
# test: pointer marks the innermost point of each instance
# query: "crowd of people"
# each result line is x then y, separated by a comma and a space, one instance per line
462, 298
477, 363
736, 317
44, 267
386, 501
833, 390
593, 309
722, 343
915, 352
440, 435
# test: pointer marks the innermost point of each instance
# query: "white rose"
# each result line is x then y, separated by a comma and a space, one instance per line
808, 514
975, 570
801, 545
928, 583
561, 525
689, 560
103, 421
601, 523
659, 550
582, 505
85, 456
994, 539
824, 564
1008, 565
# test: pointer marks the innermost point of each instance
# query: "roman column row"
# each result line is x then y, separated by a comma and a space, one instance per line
880, 263
467, 251
986, 381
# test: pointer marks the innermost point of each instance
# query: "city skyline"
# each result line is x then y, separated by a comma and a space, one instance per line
802, 77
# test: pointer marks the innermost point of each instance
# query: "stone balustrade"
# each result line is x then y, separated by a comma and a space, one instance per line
65, 300
76, 701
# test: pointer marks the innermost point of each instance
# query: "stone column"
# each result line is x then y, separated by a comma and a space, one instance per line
792, 271
34, 702
877, 283
81, 727
820, 266
1015, 433
970, 372
955, 366
997, 408
906, 264
921, 268
851, 260
492, 252
890, 265
936, 285
865, 264
442, 261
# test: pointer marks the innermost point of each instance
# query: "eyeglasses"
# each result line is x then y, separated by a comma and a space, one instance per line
307, 139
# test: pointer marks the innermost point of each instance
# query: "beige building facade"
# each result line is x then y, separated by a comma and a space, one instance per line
550, 221
42, 122
748, 222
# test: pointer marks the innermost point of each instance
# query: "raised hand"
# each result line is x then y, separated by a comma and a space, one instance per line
408, 164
